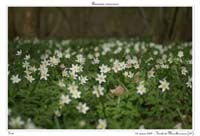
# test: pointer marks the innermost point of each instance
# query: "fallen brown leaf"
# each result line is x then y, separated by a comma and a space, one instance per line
119, 90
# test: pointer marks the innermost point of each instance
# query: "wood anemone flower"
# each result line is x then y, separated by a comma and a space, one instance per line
119, 90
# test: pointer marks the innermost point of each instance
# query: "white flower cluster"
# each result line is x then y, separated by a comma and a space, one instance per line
75, 72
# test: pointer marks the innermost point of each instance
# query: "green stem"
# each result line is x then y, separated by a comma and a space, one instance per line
118, 101
57, 123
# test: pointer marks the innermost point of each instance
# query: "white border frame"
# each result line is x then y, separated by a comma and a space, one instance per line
83, 3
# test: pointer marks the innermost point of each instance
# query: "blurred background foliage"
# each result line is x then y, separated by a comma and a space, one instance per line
158, 24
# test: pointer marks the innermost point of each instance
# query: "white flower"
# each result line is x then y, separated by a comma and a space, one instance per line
43, 68
54, 61
165, 66
82, 123
73, 75
67, 56
30, 125
101, 78
97, 54
76, 94
141, 89
116, 68
102, 124
44, 75
61, 83
128, 74
72, 88
64, 99
132, 61
122, 65
106, 48
96, 49
27, 71
44, 56
80, 59
127, 50
125, 74
95, 61
82, 108
27, 57
45, 62
16, 122
142, 127
76, 68
170, 60
33, 69
25, 64
64, 73
62, 66
155, 52
104, 68
90, 56
128, 64
184, 71
57, 113
164, 85
29, 78
15, 79
189, 82
83, 79
98, 91
118, 50
151, 73
19, 53
59, 54
136, 66
180, 54
178, 126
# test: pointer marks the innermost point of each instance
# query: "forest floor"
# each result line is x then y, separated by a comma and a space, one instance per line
98, 83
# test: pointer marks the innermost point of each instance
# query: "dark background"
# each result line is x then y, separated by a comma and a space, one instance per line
159, 24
